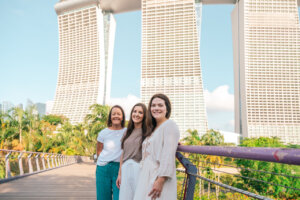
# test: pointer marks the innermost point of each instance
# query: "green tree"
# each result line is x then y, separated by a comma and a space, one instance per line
265, 188
95, 122
54, 119
18, 115
212, 138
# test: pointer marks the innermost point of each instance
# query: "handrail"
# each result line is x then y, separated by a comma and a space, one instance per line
53, 161
278, 155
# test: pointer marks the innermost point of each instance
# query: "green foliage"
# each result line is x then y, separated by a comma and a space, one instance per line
54, 119
212, 138
2, 169
24, 130
264, 187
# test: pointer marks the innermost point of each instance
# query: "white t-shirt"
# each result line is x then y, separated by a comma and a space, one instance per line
111, 140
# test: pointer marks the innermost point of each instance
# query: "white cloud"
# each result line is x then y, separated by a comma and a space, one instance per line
219, 100
125, 102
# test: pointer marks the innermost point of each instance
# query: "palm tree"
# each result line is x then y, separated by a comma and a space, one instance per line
33, 123
18, 115
213, 138
95, 122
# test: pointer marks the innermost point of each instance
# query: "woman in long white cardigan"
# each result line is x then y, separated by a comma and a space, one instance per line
157, 179
131, 144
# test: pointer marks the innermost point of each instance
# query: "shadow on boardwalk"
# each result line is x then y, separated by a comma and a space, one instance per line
71, 182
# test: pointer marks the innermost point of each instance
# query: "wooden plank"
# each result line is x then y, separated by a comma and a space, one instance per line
71, 182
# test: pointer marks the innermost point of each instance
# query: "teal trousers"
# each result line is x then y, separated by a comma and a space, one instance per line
106, 177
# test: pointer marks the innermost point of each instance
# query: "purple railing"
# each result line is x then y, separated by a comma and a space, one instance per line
276, 155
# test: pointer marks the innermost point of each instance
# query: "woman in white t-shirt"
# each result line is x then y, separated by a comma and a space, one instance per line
109, 152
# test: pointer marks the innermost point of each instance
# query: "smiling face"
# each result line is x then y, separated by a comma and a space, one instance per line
137, 115
158, 109
116, 116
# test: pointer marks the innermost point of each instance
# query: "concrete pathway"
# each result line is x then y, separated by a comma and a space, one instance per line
76, 181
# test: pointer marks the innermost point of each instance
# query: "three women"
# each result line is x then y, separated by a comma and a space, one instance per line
155, 176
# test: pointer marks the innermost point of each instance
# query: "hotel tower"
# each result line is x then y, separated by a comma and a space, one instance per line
171, 59
86, 40
266, 41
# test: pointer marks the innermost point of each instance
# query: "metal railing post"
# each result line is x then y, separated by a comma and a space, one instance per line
48, 161
56, 160
7, 164
43, 161
191, 180
52, 162
29, 163
21, 163
64, 160
37, 162
60, 160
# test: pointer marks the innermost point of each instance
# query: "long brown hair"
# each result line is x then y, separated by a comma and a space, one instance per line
109, 122
145, 124
168, 106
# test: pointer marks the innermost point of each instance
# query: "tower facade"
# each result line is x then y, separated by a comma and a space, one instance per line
266, 41
86, 40
171, 59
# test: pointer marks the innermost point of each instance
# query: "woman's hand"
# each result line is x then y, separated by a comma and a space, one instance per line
118, 182
157, 188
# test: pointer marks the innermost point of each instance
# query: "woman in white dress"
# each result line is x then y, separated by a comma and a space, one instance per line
131, 144
157, 179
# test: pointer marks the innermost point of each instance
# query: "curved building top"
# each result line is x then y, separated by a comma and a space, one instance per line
119, 6
67, 5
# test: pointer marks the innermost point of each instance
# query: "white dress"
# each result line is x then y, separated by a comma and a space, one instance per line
159, 160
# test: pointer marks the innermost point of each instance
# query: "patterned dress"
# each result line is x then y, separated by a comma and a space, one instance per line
159, 160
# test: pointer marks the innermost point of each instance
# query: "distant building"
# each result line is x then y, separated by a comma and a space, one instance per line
20, 105
41, 108
86, 40
231, 137
49, 106
6, 106
266, 43
171, 59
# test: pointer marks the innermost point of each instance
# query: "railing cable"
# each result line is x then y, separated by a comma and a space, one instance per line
254, 170
254, 179
250, 194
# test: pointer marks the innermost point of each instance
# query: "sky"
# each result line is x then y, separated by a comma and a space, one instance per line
29, 57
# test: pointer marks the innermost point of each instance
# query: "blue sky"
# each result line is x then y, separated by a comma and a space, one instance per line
29, 55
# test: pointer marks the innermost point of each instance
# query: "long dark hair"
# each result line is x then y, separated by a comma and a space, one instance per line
109, 122
145, 124
168, 106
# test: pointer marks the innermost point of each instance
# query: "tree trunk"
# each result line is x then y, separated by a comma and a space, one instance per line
20, 135
208, 190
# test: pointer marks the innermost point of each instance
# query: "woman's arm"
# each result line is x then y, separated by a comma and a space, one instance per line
167, 168
118, 182
99, 148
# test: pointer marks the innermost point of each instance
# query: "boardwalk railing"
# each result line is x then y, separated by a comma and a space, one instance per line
214, 172
18, 164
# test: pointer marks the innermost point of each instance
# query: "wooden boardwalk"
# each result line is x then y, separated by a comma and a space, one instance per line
76, 181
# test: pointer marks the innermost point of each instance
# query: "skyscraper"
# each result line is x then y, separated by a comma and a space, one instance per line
6, 106
86, 40
171, 59
266, 37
